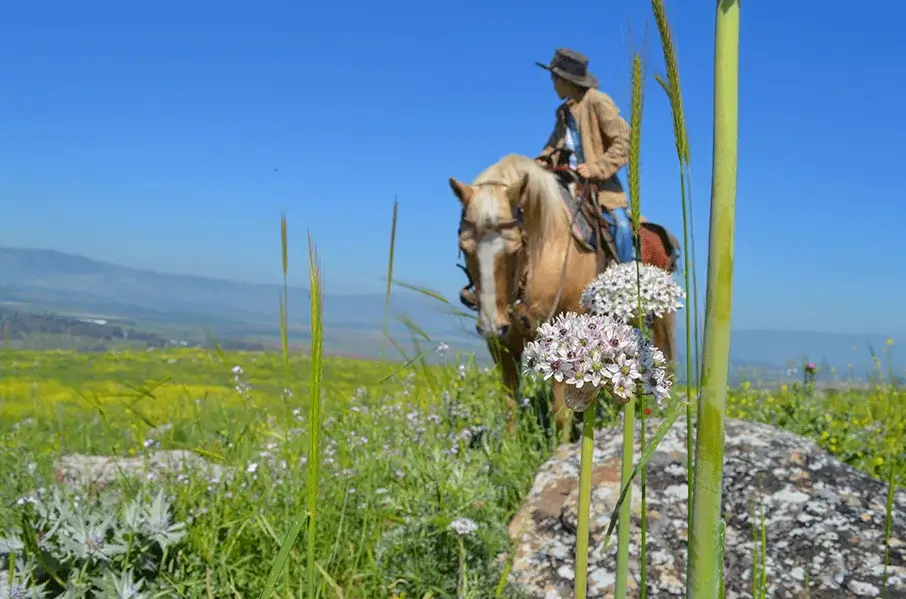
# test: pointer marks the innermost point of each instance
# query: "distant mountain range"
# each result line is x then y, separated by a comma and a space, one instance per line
37, 280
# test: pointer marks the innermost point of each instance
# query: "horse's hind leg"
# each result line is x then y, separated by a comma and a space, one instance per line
663, 333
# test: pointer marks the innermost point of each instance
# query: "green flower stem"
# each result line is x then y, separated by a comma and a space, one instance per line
643, 483
704, 554
584, 511
621, 587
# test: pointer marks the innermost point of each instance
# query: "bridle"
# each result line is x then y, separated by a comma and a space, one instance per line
520, 272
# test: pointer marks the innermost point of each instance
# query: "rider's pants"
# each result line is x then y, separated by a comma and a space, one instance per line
621, 230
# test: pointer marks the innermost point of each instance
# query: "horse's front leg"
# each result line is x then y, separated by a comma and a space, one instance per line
563, 416
508, 359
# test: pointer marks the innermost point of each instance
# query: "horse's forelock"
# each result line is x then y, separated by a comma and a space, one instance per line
485, 207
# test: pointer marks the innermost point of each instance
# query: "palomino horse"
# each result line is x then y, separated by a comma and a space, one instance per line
529, 265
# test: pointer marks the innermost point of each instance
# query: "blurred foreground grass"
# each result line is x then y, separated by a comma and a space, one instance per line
418, 483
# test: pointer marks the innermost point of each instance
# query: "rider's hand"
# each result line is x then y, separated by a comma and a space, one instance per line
582, 169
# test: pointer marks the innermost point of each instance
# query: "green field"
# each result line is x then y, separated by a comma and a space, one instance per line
404, 452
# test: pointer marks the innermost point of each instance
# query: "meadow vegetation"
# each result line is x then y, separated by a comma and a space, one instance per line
417, 485
402, 479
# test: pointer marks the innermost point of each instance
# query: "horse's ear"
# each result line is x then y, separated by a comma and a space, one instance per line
514, 192
462, 191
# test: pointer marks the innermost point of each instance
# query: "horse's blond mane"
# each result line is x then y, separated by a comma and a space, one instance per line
544, 210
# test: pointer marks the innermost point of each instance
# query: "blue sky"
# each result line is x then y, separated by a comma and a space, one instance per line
171, 136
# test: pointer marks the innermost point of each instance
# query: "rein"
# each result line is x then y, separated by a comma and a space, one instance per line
587, 193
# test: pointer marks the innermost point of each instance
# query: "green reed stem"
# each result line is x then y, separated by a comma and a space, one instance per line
621, 586
584, 511
705, 566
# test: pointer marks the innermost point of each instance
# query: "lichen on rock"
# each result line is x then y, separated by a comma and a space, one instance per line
824, 520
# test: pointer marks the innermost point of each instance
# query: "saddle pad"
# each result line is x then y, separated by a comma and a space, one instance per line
582, 230
653, 250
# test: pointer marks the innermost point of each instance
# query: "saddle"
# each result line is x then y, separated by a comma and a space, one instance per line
659, 247
581, 199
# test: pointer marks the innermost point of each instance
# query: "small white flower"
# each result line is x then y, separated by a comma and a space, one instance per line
463, 526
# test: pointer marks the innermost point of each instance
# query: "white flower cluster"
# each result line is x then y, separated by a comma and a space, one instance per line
463, 526
616, 292
600, 352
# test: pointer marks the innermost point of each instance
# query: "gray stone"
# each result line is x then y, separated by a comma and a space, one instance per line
824, 520
99, 471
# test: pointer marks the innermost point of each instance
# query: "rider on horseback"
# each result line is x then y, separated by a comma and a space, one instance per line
590, 130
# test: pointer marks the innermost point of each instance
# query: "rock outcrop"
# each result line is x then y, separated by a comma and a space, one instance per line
824, 520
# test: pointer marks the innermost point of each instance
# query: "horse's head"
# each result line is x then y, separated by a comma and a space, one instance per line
491, 237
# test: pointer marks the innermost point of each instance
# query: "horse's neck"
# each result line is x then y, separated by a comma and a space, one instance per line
550, 234
547, 252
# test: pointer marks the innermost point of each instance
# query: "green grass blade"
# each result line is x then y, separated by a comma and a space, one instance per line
389, 272
284, 305
331, 582
423, 290
650, 447
288, 541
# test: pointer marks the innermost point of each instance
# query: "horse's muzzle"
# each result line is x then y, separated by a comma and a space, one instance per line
498, 332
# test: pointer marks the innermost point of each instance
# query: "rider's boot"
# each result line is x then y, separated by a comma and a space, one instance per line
467, 294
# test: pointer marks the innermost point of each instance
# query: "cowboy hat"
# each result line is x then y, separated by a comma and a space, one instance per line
572, 66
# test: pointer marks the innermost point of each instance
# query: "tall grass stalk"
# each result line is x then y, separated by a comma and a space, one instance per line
674, 94
314, 410
389, 273
888, 520
584, 509
314, 422
284, 305
621, 587
705, 566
